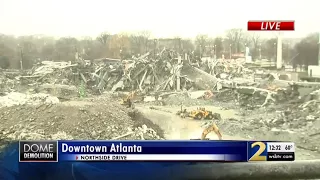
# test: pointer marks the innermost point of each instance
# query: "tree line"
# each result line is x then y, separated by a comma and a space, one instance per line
33, 48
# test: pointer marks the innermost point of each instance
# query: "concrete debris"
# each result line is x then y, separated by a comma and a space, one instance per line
165, 72
197, 94
15, 98
149, 98
200, 78
145, 133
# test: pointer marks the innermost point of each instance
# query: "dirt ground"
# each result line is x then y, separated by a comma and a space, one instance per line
99, 118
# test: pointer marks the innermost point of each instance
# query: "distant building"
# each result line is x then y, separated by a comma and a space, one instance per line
238, 55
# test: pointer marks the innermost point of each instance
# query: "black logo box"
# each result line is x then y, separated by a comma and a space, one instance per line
52, 144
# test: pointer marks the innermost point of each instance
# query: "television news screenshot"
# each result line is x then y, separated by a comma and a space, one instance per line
159, 89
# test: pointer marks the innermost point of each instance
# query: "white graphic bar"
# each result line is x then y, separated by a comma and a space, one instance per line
154, 157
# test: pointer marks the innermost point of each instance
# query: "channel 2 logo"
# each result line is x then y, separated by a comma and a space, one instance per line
271, 151
257, 151
38, 151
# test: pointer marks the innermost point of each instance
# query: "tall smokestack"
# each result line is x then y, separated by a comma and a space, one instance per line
279, 52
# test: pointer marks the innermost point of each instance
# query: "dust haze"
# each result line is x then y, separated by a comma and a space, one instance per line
123, 69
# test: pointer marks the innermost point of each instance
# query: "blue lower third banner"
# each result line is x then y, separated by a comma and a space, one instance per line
73, 159
54, 151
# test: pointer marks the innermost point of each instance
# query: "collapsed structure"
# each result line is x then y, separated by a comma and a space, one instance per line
156, 75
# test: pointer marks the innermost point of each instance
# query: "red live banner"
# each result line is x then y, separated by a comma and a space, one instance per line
270, 25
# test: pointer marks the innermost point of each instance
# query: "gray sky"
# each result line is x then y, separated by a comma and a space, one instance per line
164, 18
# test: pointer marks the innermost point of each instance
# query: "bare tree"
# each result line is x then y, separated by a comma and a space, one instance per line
218, 45
307, 50
269, 48
87, 48
66, 48
6, 56
187, 45
28, 51
103, 38
47, 52
140, 41
86, 41
177, 43
201, 42
255, 41
124, 40
246, 40
210, 43
119, 45
234, 37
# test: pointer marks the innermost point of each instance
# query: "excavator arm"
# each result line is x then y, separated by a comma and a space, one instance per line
128, 99
213, 127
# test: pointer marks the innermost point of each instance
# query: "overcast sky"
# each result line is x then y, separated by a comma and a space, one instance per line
164, 18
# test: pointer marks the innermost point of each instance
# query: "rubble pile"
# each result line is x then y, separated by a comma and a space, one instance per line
295, 114
143, 73
9, 80
294, 117
141, 133
29, 132
228, 69
165, 71
147, 74
52, 72
186, 100
234, 80
99, 120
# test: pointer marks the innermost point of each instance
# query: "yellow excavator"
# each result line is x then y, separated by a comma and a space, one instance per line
210, 127
128, 100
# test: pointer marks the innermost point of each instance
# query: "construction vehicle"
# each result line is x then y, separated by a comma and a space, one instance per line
210, 127
128, 100
201, 113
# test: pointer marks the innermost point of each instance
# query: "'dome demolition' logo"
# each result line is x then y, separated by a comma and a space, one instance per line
38, 151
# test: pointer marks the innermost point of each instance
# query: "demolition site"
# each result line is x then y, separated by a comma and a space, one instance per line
164, 93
